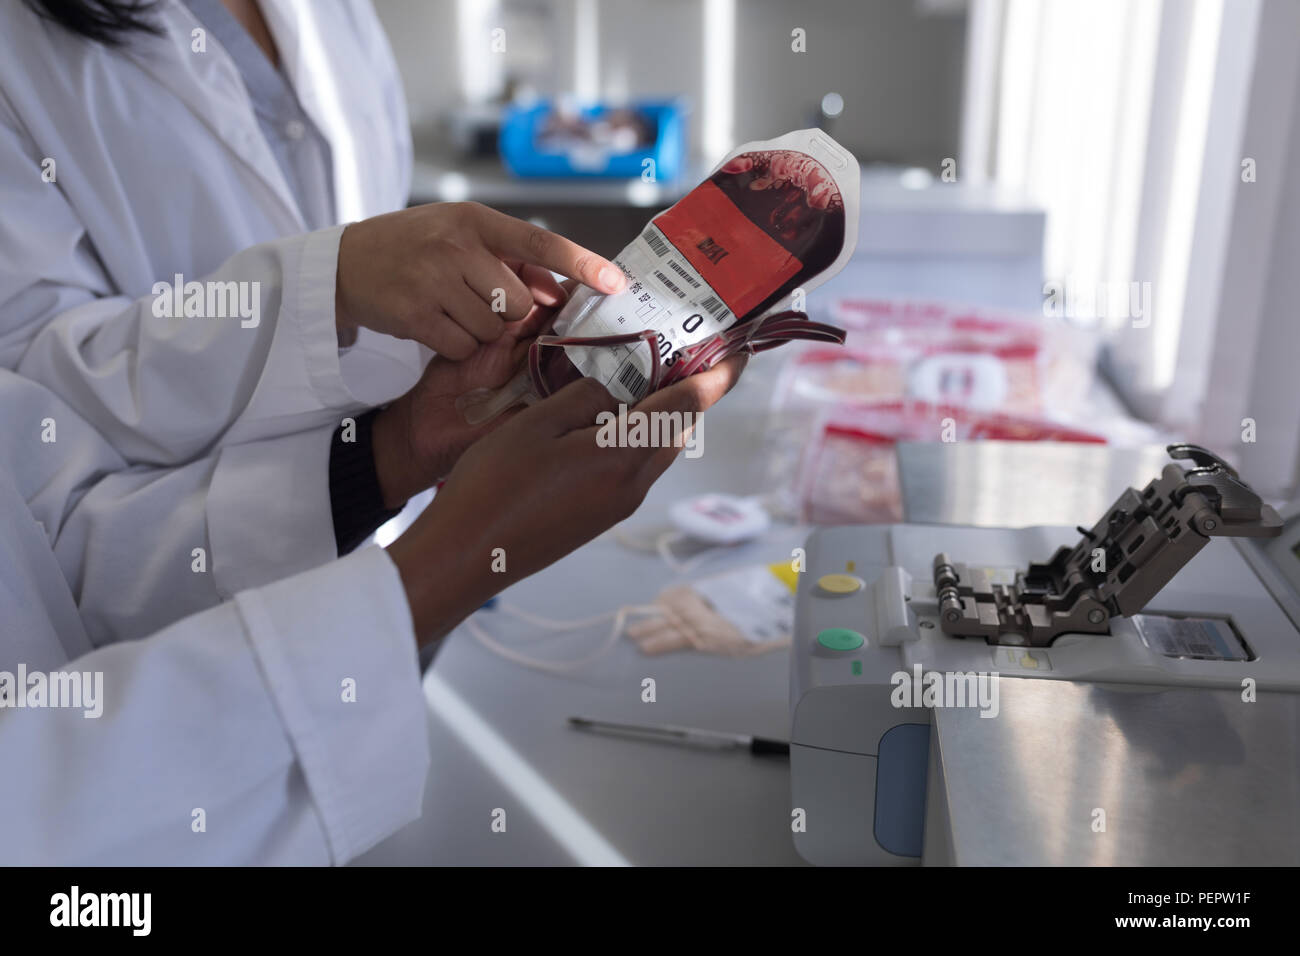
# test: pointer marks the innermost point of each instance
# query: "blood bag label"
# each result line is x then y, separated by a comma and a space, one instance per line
1198, 638
756, 599
707, 228
664, 294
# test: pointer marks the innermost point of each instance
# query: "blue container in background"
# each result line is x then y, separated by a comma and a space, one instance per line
608, 142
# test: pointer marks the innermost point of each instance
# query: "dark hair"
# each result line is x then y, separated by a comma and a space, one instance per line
104, 21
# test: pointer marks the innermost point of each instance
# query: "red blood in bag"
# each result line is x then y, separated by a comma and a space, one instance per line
794, 200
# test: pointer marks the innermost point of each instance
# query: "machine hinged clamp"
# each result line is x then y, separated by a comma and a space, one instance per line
1142, 541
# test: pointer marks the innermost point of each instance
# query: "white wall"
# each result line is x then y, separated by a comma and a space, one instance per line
1255, 350
900, 75
422, 34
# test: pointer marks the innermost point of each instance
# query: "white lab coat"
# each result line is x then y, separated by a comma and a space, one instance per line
228, 737
179, 434
159, 168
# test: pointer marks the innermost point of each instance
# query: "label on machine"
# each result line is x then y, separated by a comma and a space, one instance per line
1198, 638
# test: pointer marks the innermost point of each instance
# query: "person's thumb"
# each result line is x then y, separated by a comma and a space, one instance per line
575, 406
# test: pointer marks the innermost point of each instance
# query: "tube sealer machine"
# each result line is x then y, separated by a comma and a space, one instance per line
1135, 699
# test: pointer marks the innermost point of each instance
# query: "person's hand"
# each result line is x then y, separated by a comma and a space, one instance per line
420, 436
533, 490
435, 273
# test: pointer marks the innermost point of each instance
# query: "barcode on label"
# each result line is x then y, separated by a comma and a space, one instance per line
656, 243
670, 284
632, 379
711, 305
690, 279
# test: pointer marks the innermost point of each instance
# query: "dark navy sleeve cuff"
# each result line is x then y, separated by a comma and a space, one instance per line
356, 500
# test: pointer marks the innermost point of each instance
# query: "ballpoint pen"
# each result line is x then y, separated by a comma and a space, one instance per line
686, 736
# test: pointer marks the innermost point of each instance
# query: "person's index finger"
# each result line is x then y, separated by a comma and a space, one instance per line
515, 239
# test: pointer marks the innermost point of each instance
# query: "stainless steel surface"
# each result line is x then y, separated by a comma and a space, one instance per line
1184, 777
1011, 484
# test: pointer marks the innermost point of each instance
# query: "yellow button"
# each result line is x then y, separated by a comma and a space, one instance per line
840, 583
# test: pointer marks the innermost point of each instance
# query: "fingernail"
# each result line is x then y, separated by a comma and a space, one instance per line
611, 277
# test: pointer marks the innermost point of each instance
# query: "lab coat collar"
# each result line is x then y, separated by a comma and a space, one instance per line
210, 85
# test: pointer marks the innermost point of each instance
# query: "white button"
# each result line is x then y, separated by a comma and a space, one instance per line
295, 129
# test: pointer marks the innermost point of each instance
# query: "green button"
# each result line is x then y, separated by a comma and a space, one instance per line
840, 639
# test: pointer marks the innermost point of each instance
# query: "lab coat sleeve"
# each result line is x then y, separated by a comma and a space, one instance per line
144, 547
285, 727
163, 389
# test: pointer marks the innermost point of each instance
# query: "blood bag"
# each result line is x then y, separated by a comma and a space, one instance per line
713, 275
740, 612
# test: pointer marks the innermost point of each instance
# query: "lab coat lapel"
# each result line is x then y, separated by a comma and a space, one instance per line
210, 85
304, 34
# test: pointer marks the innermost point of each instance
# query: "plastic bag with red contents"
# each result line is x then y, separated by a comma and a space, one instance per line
848, 472
711, 276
